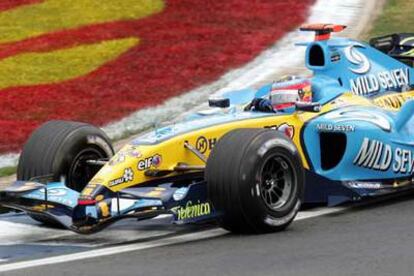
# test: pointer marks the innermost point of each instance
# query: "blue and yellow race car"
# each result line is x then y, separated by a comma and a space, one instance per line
250, 160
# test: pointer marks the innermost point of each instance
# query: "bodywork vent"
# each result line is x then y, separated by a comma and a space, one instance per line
316, 56
333, 146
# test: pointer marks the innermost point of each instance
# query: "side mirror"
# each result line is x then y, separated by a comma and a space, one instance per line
219, 102
308, 107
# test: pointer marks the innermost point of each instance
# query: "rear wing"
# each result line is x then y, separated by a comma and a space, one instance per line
322, 31
399, 46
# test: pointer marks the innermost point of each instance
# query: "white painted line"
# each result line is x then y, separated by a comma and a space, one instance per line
23, 230
113, 250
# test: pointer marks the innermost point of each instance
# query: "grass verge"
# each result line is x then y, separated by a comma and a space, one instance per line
6, 171
397, 16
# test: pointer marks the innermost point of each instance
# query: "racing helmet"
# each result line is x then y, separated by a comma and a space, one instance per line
290, 90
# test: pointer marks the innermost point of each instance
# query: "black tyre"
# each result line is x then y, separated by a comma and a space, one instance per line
255, 179
61, 149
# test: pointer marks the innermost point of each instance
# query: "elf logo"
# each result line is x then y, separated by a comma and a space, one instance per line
153, 161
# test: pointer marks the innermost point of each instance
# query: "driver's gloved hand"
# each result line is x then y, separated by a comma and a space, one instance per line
260, 104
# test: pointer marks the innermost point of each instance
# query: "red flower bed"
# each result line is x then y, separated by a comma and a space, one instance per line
190, 43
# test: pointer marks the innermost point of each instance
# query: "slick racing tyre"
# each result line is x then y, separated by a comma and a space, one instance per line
60, 149
255, 180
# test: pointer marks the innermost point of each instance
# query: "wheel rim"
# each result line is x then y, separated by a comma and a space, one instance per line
276, 186
80, 172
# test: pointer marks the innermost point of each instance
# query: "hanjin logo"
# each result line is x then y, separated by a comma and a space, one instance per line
357, 58
203, 144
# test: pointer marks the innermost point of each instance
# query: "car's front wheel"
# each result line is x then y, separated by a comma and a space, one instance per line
60, 150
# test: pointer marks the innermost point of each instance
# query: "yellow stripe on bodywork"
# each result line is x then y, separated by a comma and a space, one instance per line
173, 150
394, 101
53, 15
60, 65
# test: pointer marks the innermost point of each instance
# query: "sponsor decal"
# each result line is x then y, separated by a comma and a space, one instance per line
203, 144
90, 188
54, 191
396, 79
28, 186
121, 156
352, 114
285, 128
372, 83
126, 177
57, 195
99, 197
393, 101
42, 207
133, 152
156, 192
152, 161
357, 58
335, 128
377, 155
104, 209
180, 193
117, 159
190, 210
335, 57
365, 185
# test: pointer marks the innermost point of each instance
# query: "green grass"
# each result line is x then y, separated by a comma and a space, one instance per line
397, 16
6, 171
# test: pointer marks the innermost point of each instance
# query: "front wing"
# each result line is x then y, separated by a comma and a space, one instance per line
60, 205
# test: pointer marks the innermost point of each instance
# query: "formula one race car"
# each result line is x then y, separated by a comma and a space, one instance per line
250, 160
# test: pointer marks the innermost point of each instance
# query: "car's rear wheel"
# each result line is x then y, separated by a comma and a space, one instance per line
60, 150
255, 180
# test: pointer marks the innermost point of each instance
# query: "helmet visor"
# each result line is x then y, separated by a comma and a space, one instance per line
281, 97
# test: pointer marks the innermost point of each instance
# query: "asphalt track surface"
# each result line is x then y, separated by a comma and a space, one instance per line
370, 239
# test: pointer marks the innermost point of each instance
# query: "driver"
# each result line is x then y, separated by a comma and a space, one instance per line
283, 94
